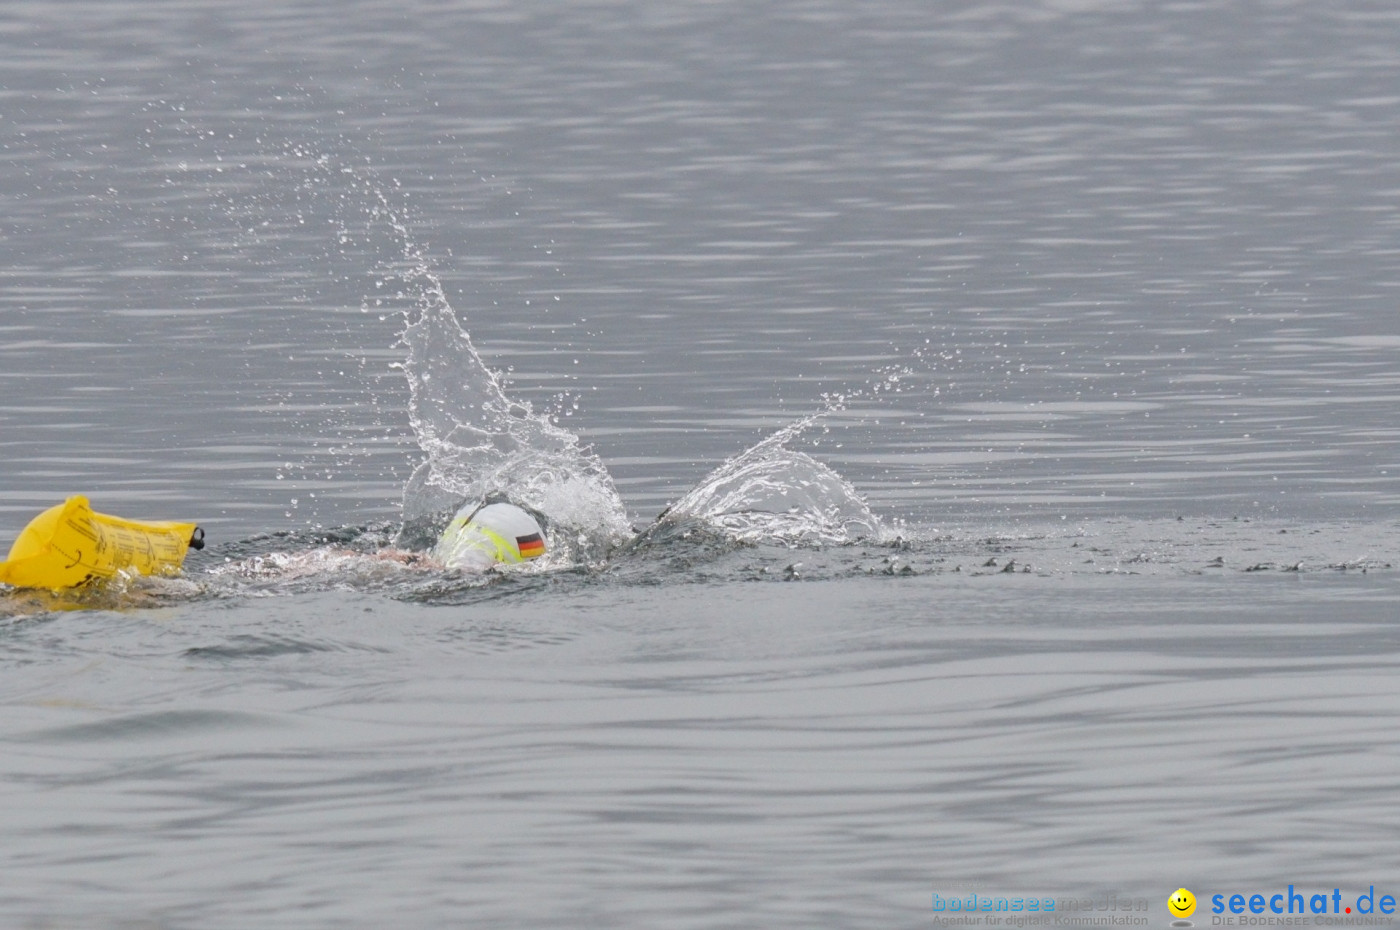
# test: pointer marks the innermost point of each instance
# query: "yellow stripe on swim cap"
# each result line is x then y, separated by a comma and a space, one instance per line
465, 534
505, 550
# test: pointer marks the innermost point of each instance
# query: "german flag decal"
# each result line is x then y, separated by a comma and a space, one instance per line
530, 546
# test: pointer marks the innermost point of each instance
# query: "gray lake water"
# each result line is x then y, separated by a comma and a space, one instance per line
1106, 290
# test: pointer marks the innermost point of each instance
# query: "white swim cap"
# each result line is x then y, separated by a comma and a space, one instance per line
479, 537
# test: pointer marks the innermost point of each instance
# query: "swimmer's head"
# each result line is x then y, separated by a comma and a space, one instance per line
494, 534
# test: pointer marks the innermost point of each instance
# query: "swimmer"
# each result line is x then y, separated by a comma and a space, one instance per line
479, 537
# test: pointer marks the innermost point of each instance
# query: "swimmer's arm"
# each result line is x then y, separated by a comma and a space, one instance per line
405, 557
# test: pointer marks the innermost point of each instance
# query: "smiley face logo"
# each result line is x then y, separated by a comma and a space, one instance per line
1182, 903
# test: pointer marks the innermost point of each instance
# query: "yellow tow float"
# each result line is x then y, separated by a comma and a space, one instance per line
71, 544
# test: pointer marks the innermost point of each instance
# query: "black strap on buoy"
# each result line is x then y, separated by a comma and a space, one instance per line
197, 538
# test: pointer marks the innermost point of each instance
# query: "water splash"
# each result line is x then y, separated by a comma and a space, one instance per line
479, 442
773, 493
